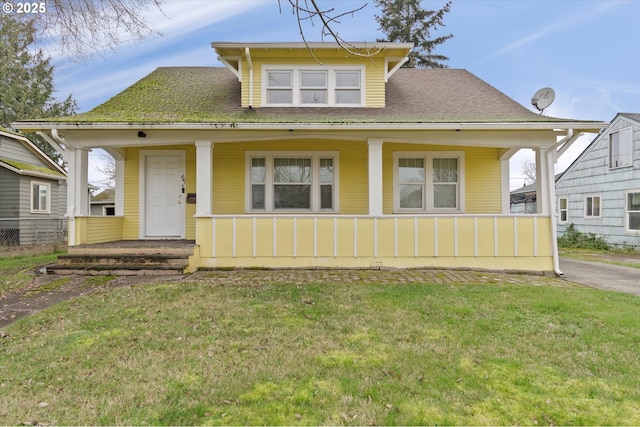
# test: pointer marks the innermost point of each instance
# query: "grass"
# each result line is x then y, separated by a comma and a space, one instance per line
16, 272
196, 353
624, 258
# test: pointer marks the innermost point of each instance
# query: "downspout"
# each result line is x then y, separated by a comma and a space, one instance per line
551, 161
250, 63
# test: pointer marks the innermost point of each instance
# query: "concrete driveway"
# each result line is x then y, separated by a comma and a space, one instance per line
601, 275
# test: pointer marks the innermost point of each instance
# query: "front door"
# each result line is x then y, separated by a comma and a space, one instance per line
164, 182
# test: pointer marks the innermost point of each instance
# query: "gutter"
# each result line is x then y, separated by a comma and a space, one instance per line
594, 127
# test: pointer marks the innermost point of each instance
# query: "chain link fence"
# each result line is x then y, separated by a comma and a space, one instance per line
32, 231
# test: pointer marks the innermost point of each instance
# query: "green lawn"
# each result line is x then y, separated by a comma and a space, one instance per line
16, 272
195, 353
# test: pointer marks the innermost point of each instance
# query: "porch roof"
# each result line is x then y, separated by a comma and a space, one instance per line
206, 96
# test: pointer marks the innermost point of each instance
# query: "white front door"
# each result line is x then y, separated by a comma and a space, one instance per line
164, 197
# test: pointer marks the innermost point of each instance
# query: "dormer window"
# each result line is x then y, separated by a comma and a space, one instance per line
313, 86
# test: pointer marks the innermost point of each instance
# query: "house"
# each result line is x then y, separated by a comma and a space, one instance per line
103, 203
306, 155
523, 200
33, 192
600, 191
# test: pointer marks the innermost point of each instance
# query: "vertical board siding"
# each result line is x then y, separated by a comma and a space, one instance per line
498, 241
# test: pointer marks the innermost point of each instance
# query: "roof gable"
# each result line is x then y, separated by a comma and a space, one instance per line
36, 160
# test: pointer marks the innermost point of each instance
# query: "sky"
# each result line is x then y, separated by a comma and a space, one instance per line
588, 51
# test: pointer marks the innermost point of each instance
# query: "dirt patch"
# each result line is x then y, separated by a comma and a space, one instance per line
48, 290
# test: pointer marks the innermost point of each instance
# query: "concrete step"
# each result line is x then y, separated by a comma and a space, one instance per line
116, 270
126, 258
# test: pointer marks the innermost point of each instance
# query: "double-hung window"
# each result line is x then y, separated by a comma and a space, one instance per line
40, 197
313, 86
286, 181
633, 210
563, 210
428, 182
592, 207
621, 148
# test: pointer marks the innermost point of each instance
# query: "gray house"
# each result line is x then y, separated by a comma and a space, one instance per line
33, 193
600, 191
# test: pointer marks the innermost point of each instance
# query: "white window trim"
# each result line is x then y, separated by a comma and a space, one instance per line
315, 180
47, 210
585, 206
626, 211
428, 157
560, 221
331, 84
626, 130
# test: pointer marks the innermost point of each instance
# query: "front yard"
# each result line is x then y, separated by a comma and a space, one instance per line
208, 352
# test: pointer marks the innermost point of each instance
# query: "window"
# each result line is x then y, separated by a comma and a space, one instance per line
563, 210
621, 148
285, 181
592, 207
427, 182
633, 211
40, 197
313, 86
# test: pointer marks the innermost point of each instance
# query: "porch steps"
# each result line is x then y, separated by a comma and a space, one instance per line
126, 258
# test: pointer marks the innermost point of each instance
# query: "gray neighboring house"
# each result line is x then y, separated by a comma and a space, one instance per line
33, 193
523, 200
104, 203
600, 191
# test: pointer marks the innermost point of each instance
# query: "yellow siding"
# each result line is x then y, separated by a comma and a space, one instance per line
229, 162
520, 243
482, 176
98, 229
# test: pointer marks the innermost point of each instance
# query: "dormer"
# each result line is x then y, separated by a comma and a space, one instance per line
312, 74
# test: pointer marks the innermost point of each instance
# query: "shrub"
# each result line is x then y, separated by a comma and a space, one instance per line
573, 238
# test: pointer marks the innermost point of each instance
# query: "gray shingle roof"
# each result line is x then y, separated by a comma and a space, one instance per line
212, 95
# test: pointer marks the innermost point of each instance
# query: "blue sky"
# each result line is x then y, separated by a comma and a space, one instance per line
586, 50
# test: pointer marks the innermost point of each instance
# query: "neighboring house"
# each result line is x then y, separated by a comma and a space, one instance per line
33, 192
600, 191
308, 156
103, 203
523, 200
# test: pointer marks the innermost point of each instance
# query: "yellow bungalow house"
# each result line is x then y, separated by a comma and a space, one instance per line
308, 156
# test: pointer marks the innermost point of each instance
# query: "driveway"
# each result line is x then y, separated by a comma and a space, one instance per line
601, 275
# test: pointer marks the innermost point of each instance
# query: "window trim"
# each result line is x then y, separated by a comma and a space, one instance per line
593, 196
560, 210
296, 87
315, 180
47, 209
626, 211
628, 130
428, 186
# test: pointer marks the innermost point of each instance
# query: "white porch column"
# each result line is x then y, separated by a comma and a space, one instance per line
204, 177
80, 187
543, 184
375, 176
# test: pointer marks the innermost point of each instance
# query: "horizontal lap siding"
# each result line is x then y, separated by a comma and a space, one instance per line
482, 175
229, 162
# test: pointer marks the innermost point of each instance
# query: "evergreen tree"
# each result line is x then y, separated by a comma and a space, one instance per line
26, 79
406, 21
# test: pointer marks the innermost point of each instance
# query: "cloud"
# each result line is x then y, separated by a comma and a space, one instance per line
564, 24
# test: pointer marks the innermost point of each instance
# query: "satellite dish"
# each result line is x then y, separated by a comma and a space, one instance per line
543, 98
